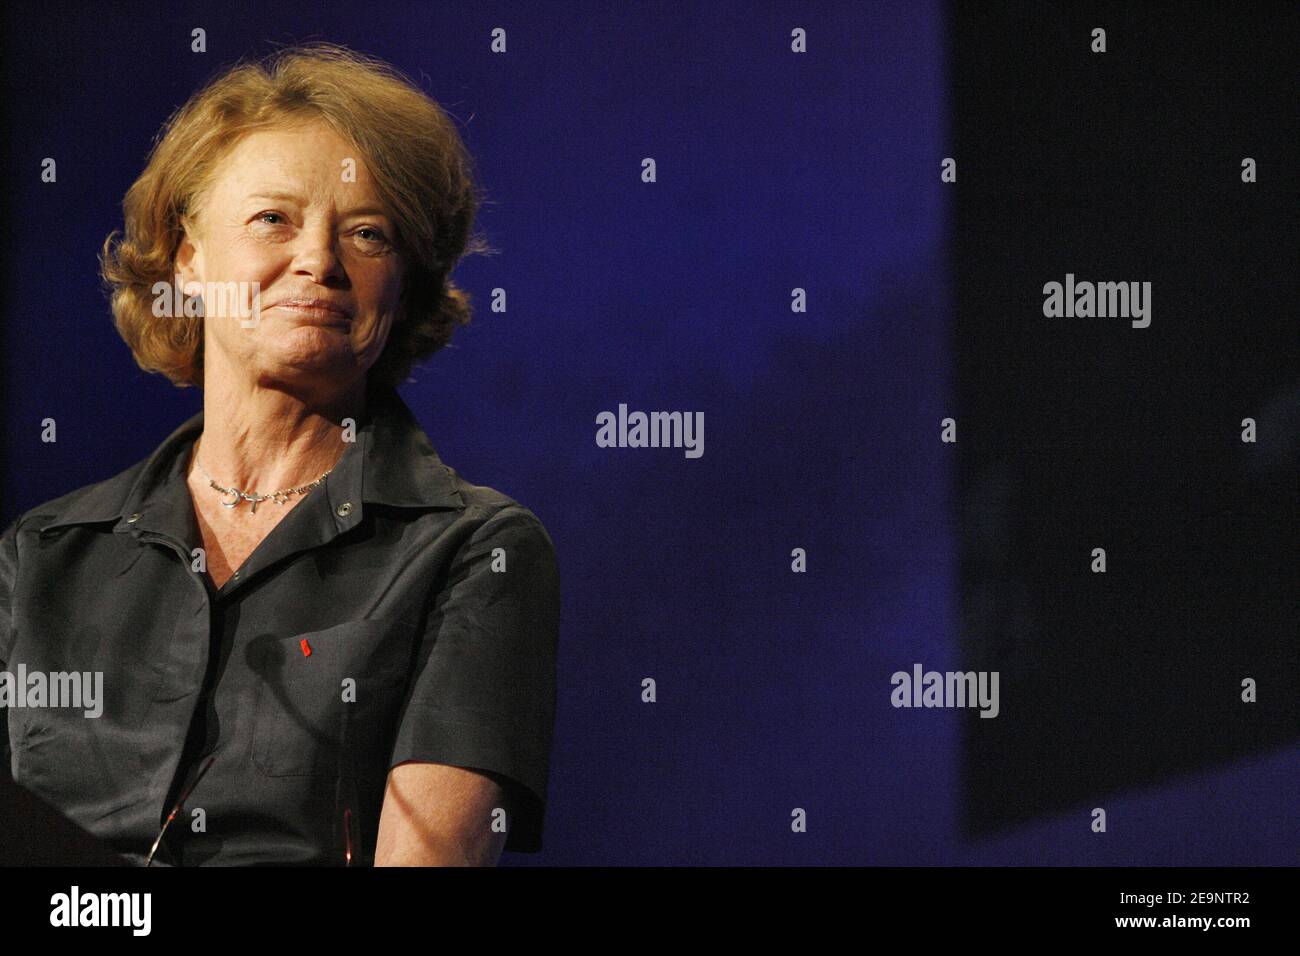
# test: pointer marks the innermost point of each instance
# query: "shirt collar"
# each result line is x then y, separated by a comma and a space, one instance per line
392, 462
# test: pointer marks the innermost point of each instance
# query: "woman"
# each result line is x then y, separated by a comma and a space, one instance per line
318, 643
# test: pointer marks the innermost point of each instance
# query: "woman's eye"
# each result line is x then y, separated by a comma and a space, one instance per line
373, 240
264, 216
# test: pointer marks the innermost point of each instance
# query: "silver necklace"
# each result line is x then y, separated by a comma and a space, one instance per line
279, 497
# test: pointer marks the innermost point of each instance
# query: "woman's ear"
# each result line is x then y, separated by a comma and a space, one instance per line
187, 255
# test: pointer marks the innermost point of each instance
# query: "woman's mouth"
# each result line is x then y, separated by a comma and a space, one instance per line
316, 311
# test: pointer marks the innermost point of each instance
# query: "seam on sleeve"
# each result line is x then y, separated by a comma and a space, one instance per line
9, 539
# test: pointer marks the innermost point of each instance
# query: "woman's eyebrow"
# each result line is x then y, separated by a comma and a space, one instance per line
365, 211
277, 195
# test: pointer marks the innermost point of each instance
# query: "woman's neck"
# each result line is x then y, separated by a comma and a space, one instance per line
262, 440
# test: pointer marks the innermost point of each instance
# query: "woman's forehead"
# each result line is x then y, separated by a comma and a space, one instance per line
296, 164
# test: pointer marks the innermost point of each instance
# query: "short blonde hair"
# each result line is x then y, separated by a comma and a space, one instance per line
422, 170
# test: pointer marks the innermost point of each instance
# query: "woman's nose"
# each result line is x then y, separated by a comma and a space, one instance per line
317, 256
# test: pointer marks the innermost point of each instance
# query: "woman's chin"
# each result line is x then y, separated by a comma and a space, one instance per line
303, 366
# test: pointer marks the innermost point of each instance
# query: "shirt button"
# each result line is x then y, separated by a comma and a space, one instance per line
343, 510
134, 518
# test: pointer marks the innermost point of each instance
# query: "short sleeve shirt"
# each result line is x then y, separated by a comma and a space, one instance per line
397, 613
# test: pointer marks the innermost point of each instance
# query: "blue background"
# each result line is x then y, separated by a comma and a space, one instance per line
775, 171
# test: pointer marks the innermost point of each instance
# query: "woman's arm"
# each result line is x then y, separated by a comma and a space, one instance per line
438, 815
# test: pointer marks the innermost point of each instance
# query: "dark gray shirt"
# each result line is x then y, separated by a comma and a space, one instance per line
397, 613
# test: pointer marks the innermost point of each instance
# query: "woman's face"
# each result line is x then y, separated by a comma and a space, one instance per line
295, 211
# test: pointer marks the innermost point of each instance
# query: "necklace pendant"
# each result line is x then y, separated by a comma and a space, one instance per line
253, 498
234, 503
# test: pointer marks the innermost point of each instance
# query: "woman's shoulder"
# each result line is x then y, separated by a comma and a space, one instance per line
488, 506
407, 467
108, 499
98, 501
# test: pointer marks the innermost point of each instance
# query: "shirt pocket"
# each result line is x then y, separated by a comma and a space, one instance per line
328, 701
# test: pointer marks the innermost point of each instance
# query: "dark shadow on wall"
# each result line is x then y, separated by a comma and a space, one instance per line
1086, 432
